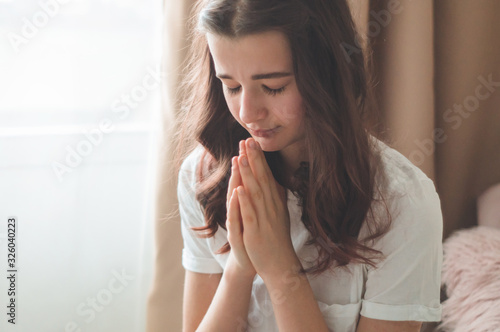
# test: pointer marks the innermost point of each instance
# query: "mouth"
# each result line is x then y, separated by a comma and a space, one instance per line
263, 133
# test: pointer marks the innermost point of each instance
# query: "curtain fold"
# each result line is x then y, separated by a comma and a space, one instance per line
402, 41
438, 74
164, 310
467, 106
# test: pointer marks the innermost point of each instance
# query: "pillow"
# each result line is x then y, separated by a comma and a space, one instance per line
471, 276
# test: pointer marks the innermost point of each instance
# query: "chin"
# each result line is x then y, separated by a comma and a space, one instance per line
268, 145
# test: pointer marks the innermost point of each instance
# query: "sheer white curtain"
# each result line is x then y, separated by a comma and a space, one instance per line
80, 91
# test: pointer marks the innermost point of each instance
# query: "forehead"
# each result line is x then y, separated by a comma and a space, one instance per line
257, 52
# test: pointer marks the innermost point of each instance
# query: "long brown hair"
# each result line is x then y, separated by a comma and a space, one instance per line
336, 186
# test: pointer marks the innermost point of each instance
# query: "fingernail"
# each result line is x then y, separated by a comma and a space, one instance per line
244, 161
241, 191
252, 144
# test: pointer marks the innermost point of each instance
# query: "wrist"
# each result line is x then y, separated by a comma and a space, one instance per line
233, 270
289, 268
233, 273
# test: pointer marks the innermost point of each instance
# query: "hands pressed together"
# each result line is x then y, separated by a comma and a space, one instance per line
258, 221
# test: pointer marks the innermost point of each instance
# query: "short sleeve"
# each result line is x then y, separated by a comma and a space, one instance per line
405, 286
196, 254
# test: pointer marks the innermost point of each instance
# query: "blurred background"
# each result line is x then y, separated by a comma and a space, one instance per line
79, 107
437, 82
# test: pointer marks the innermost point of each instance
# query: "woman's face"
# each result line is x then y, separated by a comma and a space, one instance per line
259, 85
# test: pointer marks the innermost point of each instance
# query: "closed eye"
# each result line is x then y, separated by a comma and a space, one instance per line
274, 92
233, 91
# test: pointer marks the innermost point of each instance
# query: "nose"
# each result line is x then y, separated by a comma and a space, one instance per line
252, 108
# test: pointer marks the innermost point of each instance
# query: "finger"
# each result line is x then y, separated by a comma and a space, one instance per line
248, 215
242, 147
261, 170
258, 153
234, 220
276, 188
234, 180
252, 188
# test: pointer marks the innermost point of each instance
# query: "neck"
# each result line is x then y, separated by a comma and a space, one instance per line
291, 161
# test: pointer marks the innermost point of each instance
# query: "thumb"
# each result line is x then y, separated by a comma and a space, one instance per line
233, 222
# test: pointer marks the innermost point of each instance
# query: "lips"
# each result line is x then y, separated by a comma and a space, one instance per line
263, 132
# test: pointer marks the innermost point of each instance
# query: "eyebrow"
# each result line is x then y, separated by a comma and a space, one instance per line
260, 76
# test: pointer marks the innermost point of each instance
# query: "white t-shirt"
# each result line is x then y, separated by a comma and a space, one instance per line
405, 285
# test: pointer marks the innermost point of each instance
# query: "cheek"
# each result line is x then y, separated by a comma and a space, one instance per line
233, 108
290, 112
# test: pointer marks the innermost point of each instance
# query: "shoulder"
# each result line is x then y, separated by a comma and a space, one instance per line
409, 194
405, 283
397, 174
187, 172
189, 206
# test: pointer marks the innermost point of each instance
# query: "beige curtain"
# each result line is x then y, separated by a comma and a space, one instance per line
438, 71
438, 63
164, 310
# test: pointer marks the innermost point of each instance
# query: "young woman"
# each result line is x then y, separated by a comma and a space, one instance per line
294, 216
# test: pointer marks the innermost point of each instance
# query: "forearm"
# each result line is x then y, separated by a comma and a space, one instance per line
229, 308
294, 304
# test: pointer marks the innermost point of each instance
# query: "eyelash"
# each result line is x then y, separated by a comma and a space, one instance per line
272, 92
